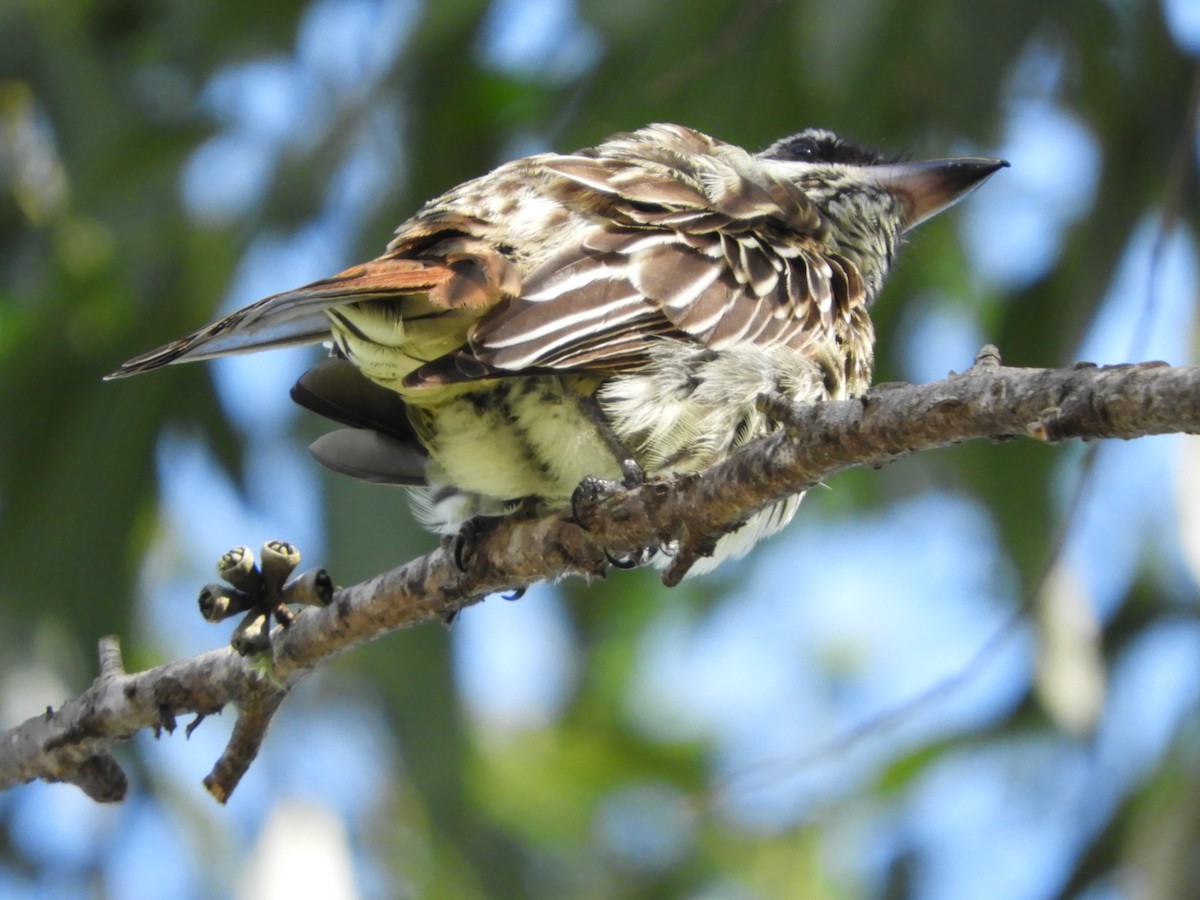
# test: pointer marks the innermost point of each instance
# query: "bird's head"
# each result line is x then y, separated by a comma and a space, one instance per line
869, 200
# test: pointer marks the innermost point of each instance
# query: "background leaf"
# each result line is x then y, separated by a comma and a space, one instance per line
162, 162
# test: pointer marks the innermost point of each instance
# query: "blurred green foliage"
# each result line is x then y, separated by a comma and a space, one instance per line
99, 113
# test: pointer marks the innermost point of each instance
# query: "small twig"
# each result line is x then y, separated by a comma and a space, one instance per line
111, 663
988, 357
248, 733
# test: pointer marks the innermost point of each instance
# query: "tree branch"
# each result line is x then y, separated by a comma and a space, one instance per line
818, 440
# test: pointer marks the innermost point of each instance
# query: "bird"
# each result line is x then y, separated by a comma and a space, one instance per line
611, 314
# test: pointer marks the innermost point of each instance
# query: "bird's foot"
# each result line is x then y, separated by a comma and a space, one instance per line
780, 409
262, 592
631, 474
462, 543
593, 489
587, 494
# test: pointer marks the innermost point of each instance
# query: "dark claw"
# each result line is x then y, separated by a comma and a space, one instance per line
514, 594
575, 516
468, 536
633, 560
461, 554
193, 725
617, 562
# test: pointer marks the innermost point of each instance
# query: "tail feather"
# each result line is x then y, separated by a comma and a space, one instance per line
224, 338
371, 456
336, 389
295, 317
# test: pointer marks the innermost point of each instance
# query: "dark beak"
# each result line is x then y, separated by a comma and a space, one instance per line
932, 185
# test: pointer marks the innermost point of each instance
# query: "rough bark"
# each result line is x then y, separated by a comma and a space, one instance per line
818, 440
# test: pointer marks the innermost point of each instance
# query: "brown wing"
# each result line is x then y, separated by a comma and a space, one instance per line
688, 237
685, 236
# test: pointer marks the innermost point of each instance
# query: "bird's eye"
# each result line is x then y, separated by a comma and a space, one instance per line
803, 149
